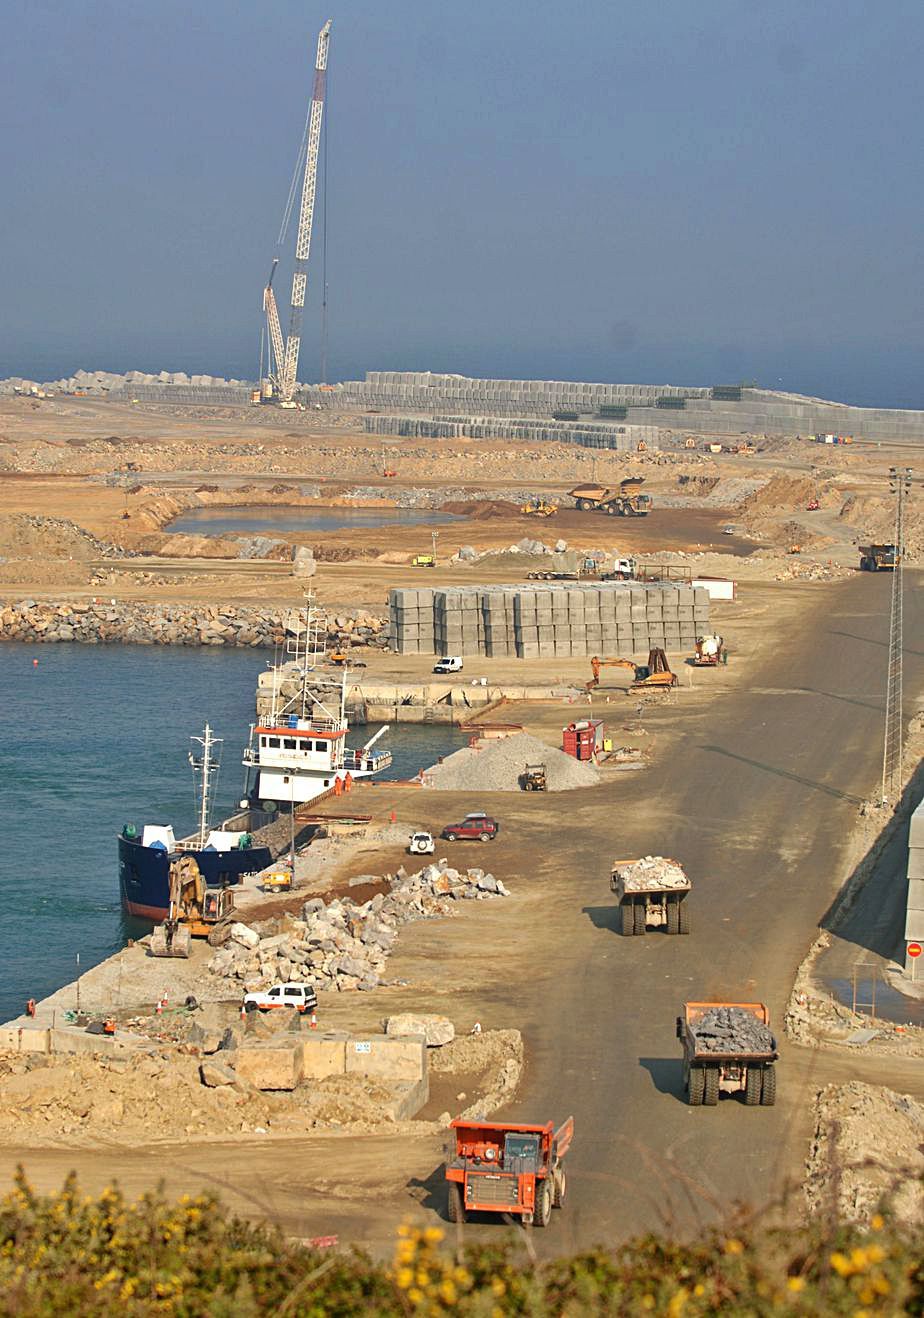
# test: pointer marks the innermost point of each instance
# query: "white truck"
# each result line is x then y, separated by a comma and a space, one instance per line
299, 997
651, 893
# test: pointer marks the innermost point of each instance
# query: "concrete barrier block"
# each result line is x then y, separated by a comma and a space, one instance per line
387, 1059
916, 895
270, 1066
323, 1056
19, 1039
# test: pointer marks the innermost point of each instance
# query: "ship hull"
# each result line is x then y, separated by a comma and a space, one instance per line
144, 874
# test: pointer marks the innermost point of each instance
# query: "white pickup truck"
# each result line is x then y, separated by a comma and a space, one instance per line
300, 996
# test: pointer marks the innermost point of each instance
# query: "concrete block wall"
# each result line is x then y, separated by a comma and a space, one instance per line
914, 907
588, 434
550, 619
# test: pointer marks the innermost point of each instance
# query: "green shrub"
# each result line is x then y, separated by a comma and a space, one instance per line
66, 1254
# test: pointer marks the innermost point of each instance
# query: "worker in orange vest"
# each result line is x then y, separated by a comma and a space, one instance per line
338, 787
348, 782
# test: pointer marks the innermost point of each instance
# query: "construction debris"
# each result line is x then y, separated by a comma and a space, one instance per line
867, 1147
651, 872
731, 1030
343, 944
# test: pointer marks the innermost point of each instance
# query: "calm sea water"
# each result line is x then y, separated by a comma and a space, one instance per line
97, 736
261, 520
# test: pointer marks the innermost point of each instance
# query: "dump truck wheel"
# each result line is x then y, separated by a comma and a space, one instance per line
752, 1086
768, 1086
455, 1209
683, 917
711, 1088
640, 913
673, 917
627, 911
696, 1083
559, 1188
542, 1210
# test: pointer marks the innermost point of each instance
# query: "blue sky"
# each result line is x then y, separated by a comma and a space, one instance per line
642, 191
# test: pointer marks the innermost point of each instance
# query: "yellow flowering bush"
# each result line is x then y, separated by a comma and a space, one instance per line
68, 1254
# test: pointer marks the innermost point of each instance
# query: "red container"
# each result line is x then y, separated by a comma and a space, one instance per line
584, 739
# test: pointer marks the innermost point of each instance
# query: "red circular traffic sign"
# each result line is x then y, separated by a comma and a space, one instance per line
914, 949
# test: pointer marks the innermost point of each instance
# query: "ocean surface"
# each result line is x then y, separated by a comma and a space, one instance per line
262, 520
98, 736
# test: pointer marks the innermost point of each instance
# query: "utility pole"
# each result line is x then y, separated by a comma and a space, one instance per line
434, 537
893, 741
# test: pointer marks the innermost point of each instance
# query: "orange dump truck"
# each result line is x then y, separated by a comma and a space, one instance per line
727, 1049
502, 1167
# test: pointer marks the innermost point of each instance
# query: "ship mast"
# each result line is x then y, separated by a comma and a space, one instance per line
208, 765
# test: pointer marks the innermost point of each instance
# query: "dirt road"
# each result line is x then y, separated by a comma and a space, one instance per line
757, 803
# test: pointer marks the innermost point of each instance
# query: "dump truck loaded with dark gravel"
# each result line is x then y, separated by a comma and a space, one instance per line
728, 1048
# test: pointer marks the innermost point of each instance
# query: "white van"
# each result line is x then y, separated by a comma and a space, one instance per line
451, 664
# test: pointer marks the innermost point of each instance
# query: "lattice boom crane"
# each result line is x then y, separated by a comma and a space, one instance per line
288, 367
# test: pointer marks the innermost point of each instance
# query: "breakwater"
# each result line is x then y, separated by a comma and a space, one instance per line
132, 623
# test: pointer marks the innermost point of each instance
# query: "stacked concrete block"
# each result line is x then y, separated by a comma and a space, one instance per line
410, 621
458, 623
549, 620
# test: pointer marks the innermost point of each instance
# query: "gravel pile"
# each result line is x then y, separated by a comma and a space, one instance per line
496, 766
649, 873
732, 1030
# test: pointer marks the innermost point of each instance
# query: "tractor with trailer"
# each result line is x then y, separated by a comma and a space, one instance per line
656, 674
194, 909
878, 558
506, 1167
728, 1048
710, 651
624, 501
651, 894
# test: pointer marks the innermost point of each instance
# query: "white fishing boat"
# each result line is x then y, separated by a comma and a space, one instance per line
299, 751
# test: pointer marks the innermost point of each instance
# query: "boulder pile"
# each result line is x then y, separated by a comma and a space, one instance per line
128, 622
344, 944
649, 873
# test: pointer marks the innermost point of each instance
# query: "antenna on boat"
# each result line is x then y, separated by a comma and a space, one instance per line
208, 765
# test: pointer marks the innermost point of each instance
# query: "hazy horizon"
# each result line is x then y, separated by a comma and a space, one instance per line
652, 195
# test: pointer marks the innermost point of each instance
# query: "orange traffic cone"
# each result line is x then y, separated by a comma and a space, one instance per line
158, 1010
313, 1023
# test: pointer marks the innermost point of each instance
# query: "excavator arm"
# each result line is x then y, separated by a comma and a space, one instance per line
597, 663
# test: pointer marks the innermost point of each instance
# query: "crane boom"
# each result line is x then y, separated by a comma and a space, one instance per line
272, 320
305, 219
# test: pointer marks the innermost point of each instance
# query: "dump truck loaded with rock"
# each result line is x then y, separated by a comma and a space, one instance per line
651, 893
728, 1048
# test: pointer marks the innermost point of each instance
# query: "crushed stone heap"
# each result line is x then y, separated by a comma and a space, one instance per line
496, 766
732, 1030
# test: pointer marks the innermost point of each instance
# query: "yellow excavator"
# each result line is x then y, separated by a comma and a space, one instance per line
194, 909
656, 674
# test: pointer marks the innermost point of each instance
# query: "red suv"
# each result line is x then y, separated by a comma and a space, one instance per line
475, 826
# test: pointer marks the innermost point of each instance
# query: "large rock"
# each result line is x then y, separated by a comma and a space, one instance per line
240, 933
437, 1030
215, 1074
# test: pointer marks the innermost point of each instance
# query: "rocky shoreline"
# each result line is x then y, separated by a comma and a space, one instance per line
128, 623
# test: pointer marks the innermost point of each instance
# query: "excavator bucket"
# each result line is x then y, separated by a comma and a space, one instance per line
564, 1135
170, 939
